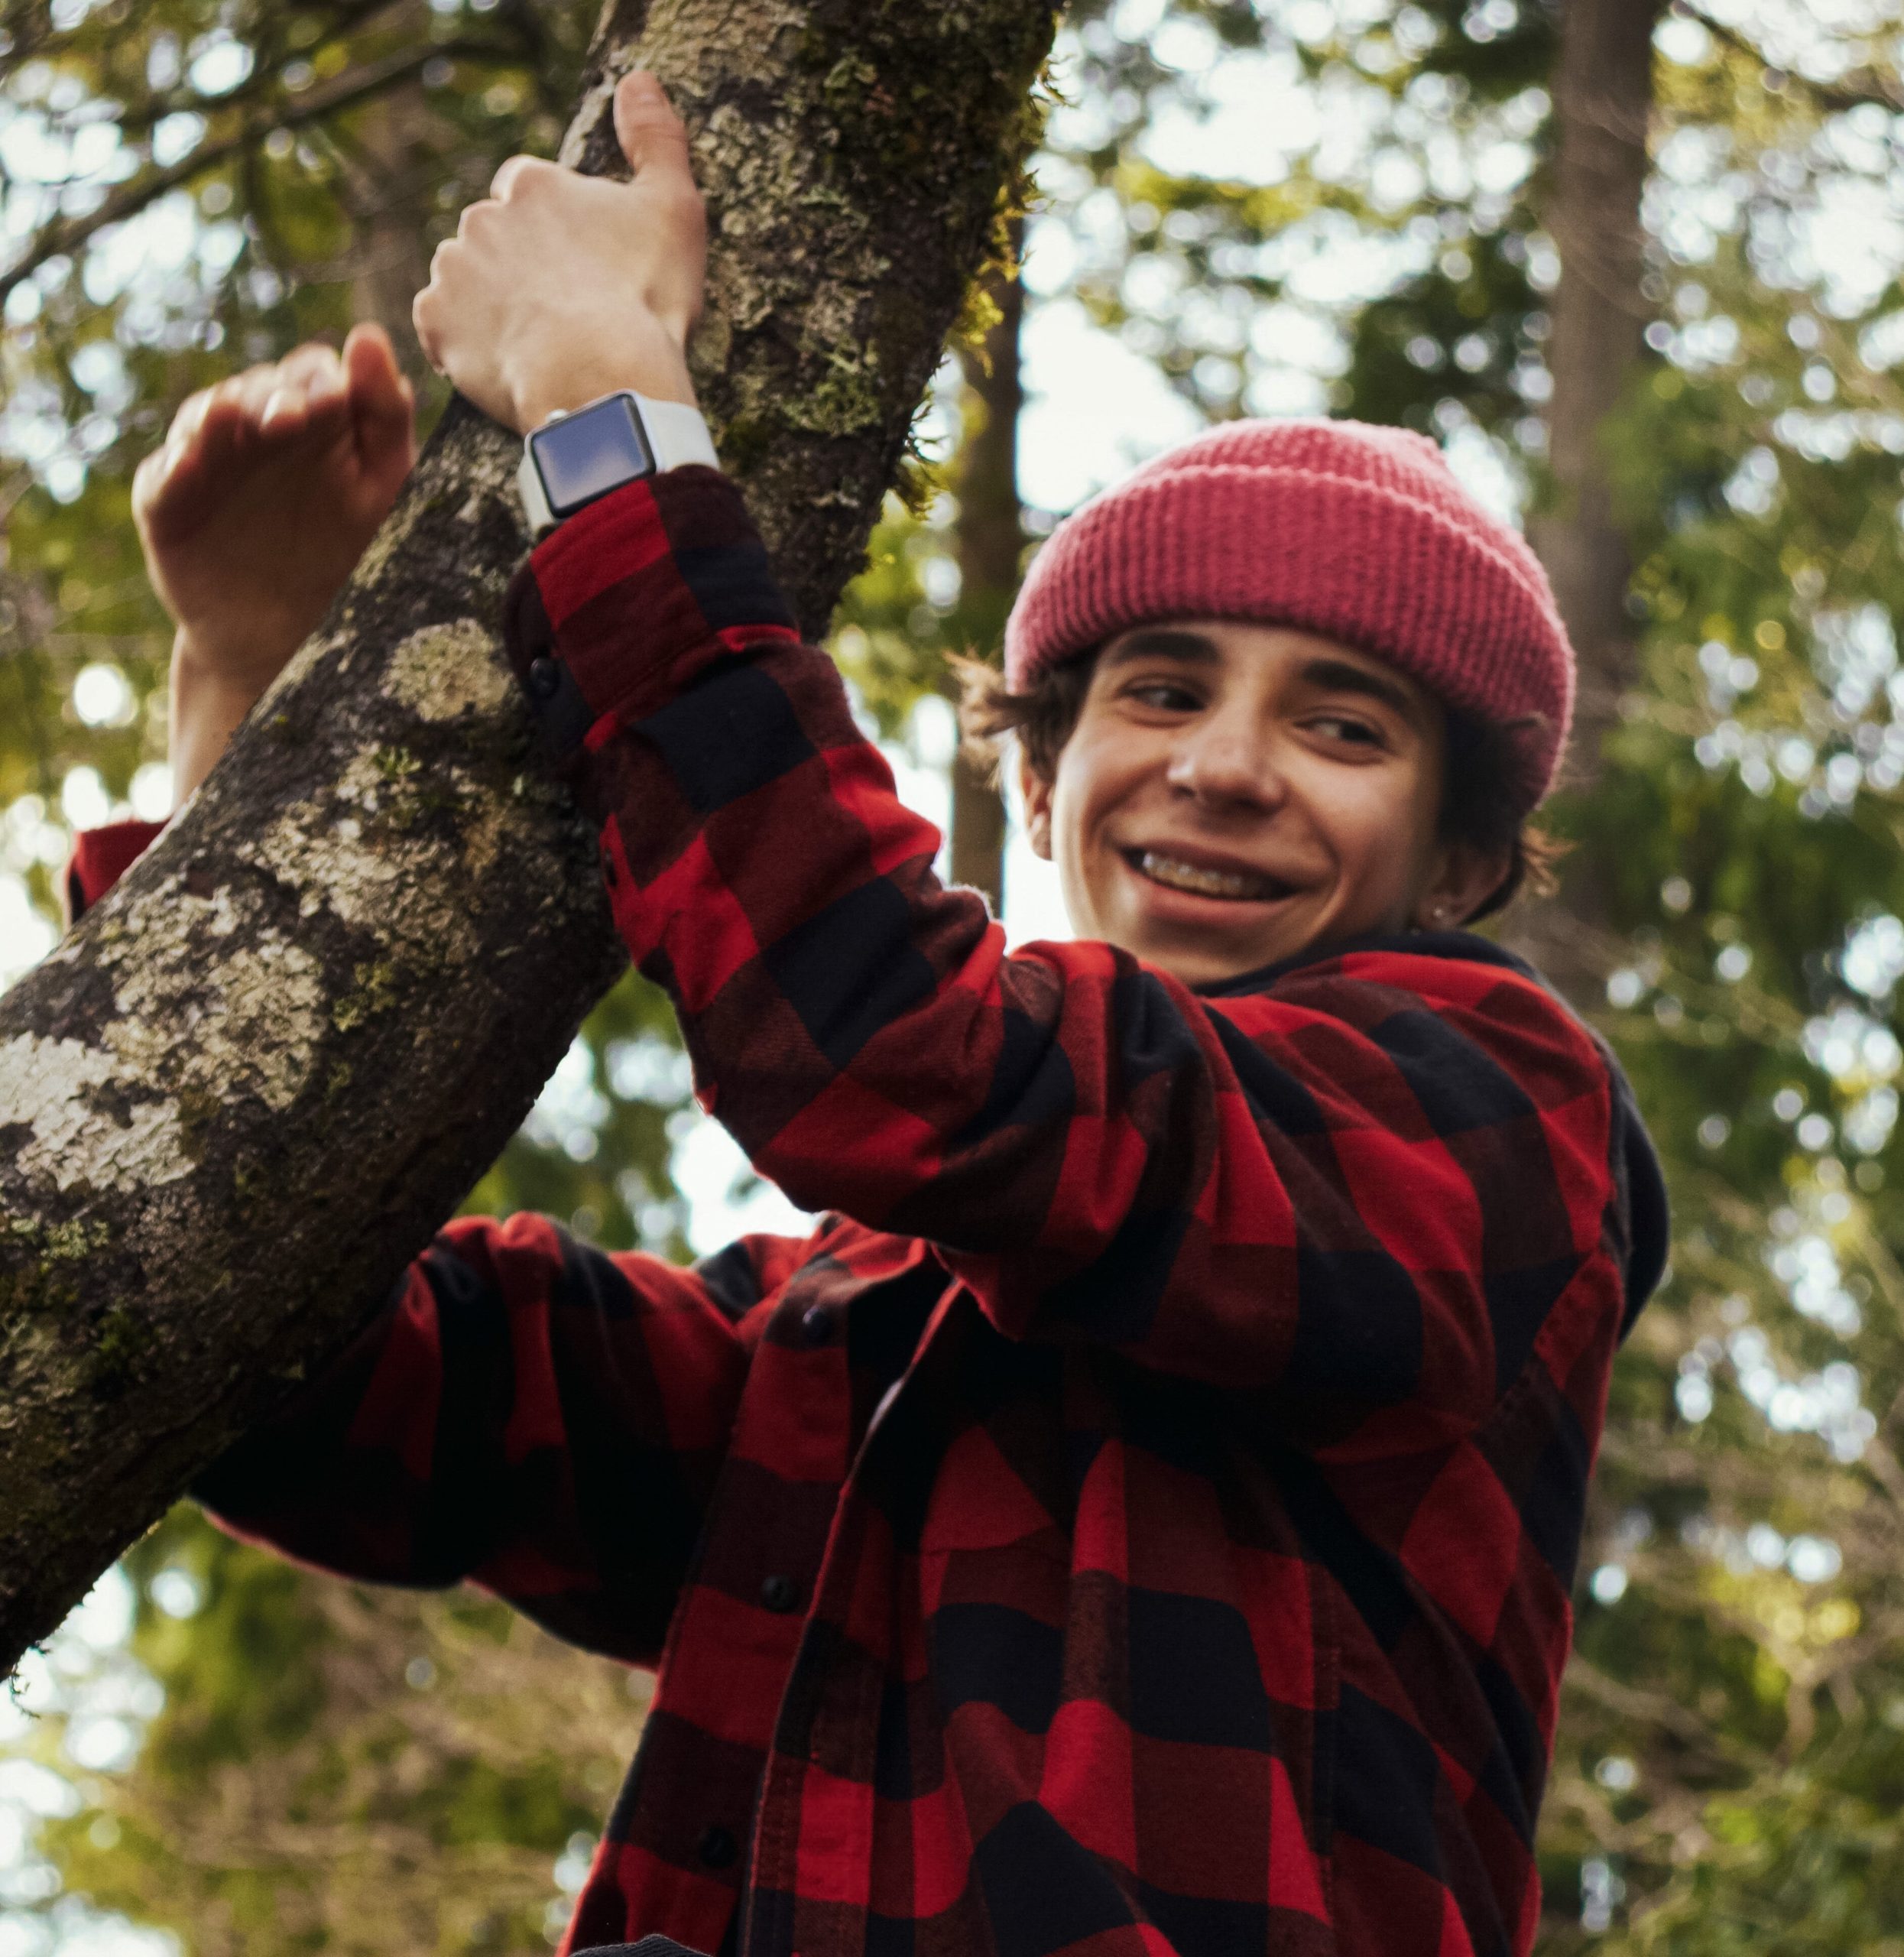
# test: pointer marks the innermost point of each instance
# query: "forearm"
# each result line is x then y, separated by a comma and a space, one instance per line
528, 1413
208, 704
855, 1024
1103, 1155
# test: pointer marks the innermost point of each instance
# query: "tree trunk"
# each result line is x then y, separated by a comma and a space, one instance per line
259, 1075
389, 192
991, 542
1602, 106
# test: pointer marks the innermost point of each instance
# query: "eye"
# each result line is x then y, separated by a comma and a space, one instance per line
1168, 695
1349, 729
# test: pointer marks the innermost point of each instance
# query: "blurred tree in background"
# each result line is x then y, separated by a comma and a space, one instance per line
1275, 205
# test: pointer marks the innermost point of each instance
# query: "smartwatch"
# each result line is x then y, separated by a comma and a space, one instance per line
574, 460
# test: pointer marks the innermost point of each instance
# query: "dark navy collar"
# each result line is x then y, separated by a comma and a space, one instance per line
1466, 946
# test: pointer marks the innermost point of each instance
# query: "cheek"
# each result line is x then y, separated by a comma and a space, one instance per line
1095, 784
1082, 795
1387, 833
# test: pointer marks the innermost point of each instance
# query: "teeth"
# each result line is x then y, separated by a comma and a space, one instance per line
1179, 875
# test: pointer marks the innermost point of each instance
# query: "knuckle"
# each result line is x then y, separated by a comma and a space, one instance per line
532, 176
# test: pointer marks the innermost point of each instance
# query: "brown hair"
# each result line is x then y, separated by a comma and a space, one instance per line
1479, 807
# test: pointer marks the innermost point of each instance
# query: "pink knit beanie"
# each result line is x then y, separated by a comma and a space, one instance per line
1358, 533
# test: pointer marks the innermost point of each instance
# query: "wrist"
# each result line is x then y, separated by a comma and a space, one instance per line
210, 700
563, 390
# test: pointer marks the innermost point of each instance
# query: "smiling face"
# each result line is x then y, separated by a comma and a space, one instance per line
1232, 794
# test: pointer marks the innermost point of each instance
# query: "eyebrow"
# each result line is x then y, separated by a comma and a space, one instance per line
1339, 676
1164, 642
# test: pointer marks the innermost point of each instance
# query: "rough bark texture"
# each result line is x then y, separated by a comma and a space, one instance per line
991, 542
258, 1076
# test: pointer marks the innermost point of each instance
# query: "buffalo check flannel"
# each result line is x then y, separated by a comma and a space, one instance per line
1141, 1517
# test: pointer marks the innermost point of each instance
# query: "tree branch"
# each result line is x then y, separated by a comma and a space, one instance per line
1863, 88
247, 1089
65, 236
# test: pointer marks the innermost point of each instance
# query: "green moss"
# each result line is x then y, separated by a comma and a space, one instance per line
36, 1291
746, 439
847, 402
39, 1254
122, 1341
373, 991
70, 1241
394, 764
849, 82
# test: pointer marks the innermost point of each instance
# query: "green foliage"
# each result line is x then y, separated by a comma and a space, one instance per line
1730, 1756
335, 1768
1731, 1753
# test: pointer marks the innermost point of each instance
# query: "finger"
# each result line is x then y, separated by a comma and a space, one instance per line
244, 394
228, 422
189, 418
176, 484
652, 137
149, 480
516, 171
382, 403
422, 319
313, 414
426, 309
306, 395
314, 367
371, 371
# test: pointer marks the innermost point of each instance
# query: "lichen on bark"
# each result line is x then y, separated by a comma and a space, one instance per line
262, 1071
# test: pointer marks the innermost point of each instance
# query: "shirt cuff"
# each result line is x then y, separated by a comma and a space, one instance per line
100, 857
620, 606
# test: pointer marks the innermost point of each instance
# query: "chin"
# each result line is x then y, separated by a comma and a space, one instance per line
1205, 965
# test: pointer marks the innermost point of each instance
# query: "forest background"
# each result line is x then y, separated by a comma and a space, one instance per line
1241, 206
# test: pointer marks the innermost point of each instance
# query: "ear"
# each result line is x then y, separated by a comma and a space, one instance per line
1463, 879
1037, 790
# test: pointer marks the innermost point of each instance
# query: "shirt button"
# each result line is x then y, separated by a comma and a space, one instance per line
717, 1847
545, 679
780, 1593
816, 1325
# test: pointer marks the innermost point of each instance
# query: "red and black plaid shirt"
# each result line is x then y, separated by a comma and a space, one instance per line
1142, 1517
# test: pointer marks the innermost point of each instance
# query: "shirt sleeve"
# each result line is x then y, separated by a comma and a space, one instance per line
529, 1412
100, 857
1374, 1182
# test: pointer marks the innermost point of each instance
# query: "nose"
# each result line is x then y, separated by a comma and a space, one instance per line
1226, 758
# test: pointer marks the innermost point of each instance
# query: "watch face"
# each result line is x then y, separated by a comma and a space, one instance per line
587, 454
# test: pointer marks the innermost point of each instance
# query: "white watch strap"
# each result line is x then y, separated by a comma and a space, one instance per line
676, 433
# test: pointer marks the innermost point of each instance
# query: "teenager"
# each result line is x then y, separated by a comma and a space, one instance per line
1141, 1517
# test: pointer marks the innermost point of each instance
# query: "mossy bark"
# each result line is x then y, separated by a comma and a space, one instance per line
258, 1076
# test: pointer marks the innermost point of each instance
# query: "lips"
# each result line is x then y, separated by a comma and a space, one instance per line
1206, 880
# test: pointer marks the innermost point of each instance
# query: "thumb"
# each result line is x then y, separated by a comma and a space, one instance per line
382, 404
652, 137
